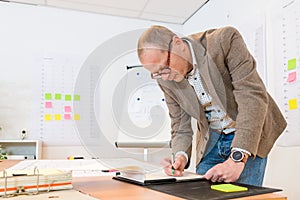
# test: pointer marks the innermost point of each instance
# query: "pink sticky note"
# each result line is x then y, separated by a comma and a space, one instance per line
68, 109
48, 104
292, 77
67, 116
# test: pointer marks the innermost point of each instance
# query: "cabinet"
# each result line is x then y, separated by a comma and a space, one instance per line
22, 149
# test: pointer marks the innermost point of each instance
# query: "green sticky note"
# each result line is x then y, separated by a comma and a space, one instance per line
76, 97
48, 96
228, 188
57, 96
292, 64
68, 97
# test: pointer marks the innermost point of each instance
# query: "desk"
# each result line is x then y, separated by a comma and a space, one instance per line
104, 188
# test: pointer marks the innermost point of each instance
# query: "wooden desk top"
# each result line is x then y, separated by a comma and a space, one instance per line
105, 188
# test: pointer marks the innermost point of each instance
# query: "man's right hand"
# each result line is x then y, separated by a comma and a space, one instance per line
177, 168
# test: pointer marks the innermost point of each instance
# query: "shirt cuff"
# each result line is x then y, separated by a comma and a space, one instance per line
184, 154
242, 150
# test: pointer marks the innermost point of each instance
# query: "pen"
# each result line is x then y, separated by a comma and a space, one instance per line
19, 174
173, 160
109, 170
75, 158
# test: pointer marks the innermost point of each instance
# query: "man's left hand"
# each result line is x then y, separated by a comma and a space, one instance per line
228, 171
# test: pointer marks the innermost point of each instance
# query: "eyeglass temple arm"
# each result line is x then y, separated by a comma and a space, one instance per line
133, 66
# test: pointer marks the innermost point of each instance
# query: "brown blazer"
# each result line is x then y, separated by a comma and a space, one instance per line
229, 74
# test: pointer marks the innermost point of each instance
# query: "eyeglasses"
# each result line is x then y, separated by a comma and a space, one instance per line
166, 69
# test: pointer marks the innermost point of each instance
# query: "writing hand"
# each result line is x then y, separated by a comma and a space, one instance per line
175, 169
228, 171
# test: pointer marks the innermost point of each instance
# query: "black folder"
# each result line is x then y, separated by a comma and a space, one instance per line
198, 189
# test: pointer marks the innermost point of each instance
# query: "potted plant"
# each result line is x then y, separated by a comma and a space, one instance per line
3, 154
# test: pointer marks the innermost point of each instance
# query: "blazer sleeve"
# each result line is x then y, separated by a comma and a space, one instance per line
248, 89
181, 129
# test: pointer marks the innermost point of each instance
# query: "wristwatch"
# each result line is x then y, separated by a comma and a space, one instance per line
238, 156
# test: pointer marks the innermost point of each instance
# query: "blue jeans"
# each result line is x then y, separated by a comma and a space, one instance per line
218, 150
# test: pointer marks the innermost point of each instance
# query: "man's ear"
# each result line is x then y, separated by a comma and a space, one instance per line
178, 44
176, 40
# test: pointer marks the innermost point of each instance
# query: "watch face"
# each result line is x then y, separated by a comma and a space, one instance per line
237, 156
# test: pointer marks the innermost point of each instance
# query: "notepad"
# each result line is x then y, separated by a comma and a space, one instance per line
144, 173
228, 188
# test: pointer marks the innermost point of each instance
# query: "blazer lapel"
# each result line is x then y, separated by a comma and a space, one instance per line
188, 98
210, 75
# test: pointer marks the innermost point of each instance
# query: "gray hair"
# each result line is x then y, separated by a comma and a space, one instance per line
155, 37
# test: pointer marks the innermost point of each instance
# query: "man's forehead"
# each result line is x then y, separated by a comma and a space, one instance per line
152, 50
152, 55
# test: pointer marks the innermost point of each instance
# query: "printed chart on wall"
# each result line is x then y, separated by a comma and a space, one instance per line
286, 34
56, 99
253, 32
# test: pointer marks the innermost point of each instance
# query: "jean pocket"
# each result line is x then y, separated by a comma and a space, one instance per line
224, 148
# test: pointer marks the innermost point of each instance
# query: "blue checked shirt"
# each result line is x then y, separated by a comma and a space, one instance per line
217, 118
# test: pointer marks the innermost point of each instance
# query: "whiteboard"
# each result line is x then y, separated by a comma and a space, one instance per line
285, 23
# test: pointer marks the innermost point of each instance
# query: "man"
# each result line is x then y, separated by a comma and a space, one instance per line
212, 77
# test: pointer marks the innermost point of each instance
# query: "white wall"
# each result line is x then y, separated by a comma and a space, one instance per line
282, 168
29, 31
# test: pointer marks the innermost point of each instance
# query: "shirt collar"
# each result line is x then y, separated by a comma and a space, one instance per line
194, 62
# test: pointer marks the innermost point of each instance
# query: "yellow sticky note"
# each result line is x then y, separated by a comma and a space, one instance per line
293, 104
76, 116
57, 116
227, 187
48, 117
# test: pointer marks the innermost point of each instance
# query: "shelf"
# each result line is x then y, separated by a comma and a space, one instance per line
22, 149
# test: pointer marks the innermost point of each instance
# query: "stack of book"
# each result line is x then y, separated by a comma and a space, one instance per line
14, 182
